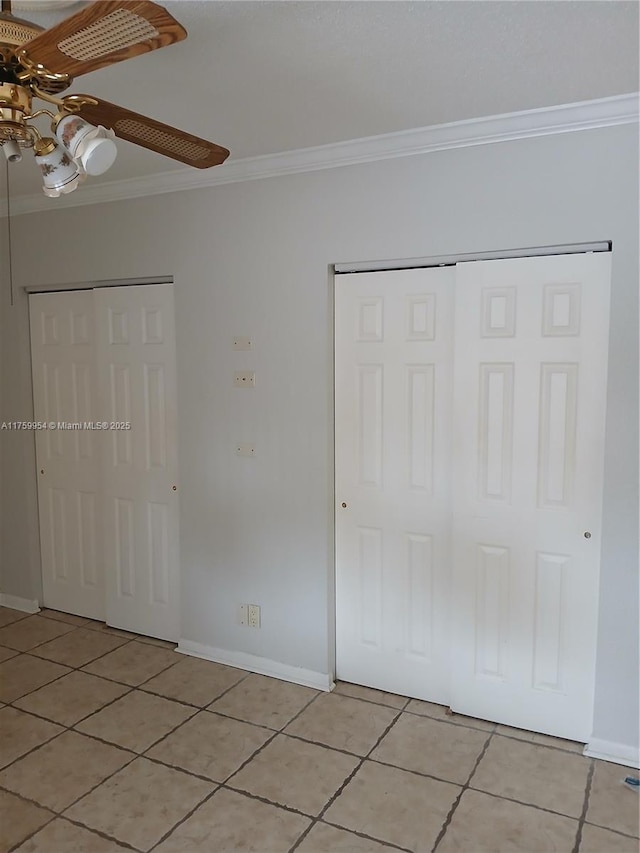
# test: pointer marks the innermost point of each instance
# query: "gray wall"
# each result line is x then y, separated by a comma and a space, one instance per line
252, 259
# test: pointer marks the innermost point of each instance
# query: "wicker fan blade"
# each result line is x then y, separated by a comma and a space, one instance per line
154, 135
102, 34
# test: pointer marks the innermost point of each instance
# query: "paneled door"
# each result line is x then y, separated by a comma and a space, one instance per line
69, 497
531, 343
393, 350
470, 407
137, 377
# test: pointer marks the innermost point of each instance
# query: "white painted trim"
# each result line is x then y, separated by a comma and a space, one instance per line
263, 666
618, 753
25, 605
526, 124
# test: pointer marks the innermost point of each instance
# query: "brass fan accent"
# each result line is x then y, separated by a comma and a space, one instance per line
152, 134
104, 33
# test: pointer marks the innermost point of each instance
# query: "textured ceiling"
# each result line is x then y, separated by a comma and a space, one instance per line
263, 77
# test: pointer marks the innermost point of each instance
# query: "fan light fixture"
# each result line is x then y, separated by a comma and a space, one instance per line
61, 174
78, 148
91, 147
11, 151
37, 63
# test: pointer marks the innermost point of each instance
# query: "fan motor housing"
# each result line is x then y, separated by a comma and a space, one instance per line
15, 103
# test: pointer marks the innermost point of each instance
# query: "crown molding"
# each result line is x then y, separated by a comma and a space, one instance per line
527, 124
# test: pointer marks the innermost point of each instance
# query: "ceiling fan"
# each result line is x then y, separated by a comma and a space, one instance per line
41, 64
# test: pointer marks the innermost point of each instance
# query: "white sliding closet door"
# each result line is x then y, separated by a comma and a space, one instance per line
531, 339
136, 359
470, 406
69, 498
393, 461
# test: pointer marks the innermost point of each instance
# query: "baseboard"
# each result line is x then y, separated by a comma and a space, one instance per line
618, 753
26, 605
263, 666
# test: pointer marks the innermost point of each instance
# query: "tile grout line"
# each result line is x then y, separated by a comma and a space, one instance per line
223, 785
610, 829
34, 650
456, 802
81, 670
62, 675
226, 784
523, 803
84, 794
131, 689
276, 732
34, 748
238, 719
53, 817
70, 629
60, 814
267, 802
98, 832
91, 625
250, 758
253, 796
381, 704
59, 678
339, 749
360, 834
140, 686
19, 619
82, 620
72, 728
314, 821
196, 710
346, 781
585, 806
187, 815
543, 745
351, 755
405, 709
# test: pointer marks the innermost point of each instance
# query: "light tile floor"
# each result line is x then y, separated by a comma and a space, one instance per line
110, 742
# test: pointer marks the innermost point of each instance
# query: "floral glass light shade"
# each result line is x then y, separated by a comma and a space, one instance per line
60, 173
92, 147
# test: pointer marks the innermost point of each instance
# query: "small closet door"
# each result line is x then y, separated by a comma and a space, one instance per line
137, 379
531, 343
69, 496
393, 472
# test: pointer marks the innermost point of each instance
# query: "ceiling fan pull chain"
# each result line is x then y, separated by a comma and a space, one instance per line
10, 264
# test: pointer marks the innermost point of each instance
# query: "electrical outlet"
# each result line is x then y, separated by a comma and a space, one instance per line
244, 378
254, 615
242, 615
